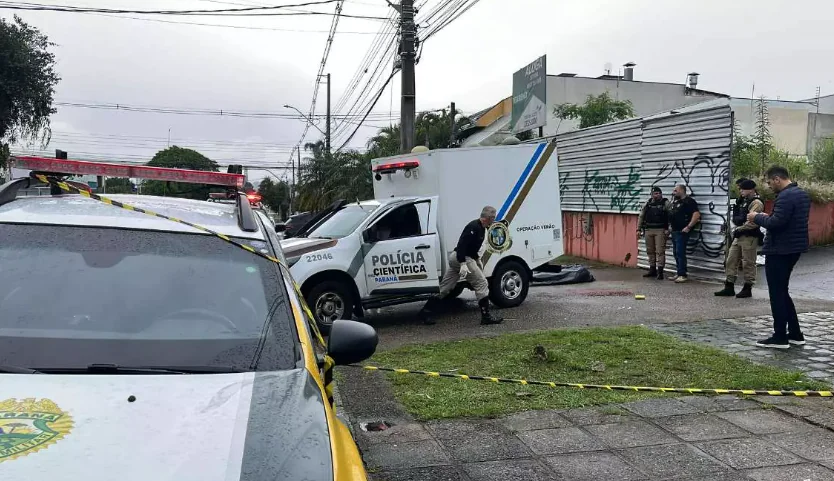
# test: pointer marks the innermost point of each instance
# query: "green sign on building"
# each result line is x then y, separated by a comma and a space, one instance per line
530, 96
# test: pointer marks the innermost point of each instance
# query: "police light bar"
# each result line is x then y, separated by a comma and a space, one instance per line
395, 166
79, 167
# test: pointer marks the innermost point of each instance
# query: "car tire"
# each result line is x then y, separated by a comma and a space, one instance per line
330, 301
509, 284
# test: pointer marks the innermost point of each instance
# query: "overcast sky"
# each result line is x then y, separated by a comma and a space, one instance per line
784, 47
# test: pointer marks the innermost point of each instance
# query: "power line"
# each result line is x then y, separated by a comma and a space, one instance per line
379, 94
192, 111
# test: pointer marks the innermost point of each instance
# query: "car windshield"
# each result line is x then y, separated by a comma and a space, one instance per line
343, 222
75, 296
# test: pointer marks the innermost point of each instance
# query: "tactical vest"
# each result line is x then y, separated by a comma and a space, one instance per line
656, 216
740, 216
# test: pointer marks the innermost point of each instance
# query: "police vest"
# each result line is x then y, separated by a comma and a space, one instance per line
656, 216
740, 216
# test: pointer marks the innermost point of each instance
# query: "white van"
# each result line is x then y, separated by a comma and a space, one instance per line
394, 249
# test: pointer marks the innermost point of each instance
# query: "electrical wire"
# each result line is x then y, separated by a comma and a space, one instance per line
193, 111
378, 95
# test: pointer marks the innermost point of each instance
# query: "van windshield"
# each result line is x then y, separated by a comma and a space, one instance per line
343, 222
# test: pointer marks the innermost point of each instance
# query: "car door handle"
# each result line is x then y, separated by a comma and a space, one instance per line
423, 246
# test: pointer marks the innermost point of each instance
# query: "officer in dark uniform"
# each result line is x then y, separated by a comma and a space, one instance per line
746, 239
653, 224
466, 253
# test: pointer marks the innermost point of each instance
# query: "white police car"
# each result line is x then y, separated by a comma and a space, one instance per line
136, 347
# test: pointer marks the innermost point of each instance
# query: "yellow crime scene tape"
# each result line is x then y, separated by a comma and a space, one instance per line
329, 364
685, 390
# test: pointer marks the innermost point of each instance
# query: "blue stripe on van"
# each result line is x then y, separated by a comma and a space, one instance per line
524, 175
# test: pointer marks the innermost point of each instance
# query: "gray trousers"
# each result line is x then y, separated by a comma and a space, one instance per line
475, 277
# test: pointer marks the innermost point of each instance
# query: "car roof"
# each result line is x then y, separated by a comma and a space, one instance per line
76, 210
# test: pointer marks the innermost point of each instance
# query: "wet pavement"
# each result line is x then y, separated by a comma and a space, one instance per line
609, 301
738, 336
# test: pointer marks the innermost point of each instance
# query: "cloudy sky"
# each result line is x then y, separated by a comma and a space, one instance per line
784, 47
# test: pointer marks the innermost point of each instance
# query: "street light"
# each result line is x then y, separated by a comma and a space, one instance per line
308, 119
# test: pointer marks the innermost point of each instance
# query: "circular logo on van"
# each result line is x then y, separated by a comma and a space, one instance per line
498, 237
27, 426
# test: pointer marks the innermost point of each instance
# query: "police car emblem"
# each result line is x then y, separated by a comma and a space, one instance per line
498, 237
28, 426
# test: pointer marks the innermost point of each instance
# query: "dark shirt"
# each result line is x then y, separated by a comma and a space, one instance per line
470, 241
681, 212
787, 227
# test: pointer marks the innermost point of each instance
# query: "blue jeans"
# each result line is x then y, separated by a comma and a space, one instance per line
679, 241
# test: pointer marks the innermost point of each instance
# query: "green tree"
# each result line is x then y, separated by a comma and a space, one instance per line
27, 84
275, 195
822, 161
118, 185
597, 110
179, 158
432, 129
762, 139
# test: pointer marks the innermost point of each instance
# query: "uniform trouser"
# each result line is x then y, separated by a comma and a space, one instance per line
656, 247
742, 252
475, 277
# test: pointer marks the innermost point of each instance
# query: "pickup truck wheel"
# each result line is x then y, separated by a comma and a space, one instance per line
330, 301
509, 285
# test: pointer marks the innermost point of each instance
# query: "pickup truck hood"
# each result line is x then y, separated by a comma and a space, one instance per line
200, 427
295, 247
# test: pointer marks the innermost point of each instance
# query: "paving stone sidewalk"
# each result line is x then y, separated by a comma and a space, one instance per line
691, 438
815, 358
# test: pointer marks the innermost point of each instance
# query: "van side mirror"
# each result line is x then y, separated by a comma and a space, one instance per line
350, 342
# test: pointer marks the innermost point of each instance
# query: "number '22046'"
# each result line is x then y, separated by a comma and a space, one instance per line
318, 257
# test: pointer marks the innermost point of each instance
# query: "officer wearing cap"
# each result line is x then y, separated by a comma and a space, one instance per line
466, 253
746, 238
653, 224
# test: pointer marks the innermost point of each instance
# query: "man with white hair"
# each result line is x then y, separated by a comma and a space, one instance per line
467, 253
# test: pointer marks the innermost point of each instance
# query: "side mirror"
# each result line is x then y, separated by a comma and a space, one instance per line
280, 227
368, 236
350, 342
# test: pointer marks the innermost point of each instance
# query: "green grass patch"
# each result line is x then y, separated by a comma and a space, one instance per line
624, 356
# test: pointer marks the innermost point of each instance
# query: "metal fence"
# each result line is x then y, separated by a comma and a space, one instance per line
612, 168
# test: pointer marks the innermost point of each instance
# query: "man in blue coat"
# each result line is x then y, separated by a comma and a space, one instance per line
786, 240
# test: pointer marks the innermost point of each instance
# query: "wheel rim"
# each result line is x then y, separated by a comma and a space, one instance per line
511, 284
329, 307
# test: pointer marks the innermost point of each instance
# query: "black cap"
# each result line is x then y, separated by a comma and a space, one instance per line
740, 180
747, 184
656, 189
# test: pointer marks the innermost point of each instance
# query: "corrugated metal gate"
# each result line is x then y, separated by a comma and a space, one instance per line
612, 168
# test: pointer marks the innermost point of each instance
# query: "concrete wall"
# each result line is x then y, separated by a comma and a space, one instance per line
601, 236
788, 122
820, 126
648, 97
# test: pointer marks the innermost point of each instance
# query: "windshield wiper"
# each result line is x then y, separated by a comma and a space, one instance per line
18, 370
119, 369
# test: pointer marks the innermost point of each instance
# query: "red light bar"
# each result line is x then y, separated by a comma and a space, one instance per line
79, 167
254, 198
394, 166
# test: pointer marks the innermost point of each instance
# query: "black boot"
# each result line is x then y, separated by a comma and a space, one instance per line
652, 272
486, 316
729, 290
426, 314
745, 291
660, 274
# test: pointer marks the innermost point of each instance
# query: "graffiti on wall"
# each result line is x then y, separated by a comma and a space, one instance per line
616, 192
667, 175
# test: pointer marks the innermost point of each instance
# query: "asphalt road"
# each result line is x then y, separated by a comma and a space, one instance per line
609, 301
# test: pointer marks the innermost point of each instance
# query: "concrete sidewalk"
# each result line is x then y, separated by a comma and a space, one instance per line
692, 438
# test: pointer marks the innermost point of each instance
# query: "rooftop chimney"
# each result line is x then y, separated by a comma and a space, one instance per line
628, 73
693, 79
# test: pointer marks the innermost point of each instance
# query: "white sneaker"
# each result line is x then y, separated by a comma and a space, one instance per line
681, 279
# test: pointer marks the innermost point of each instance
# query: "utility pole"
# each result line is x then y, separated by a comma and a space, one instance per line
452, 121
408, 42
327, 127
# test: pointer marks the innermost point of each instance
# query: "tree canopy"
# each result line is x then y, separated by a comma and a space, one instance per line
597, 110
275, 195
179, 158
27, 84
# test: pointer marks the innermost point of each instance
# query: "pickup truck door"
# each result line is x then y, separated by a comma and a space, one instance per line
402, 250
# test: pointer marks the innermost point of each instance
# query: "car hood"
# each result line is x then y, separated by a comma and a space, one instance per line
201, 427
298, 246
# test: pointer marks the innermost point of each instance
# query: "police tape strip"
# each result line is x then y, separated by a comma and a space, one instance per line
71, 188
464, 377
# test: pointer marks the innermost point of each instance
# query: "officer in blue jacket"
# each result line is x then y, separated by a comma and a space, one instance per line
784, 243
